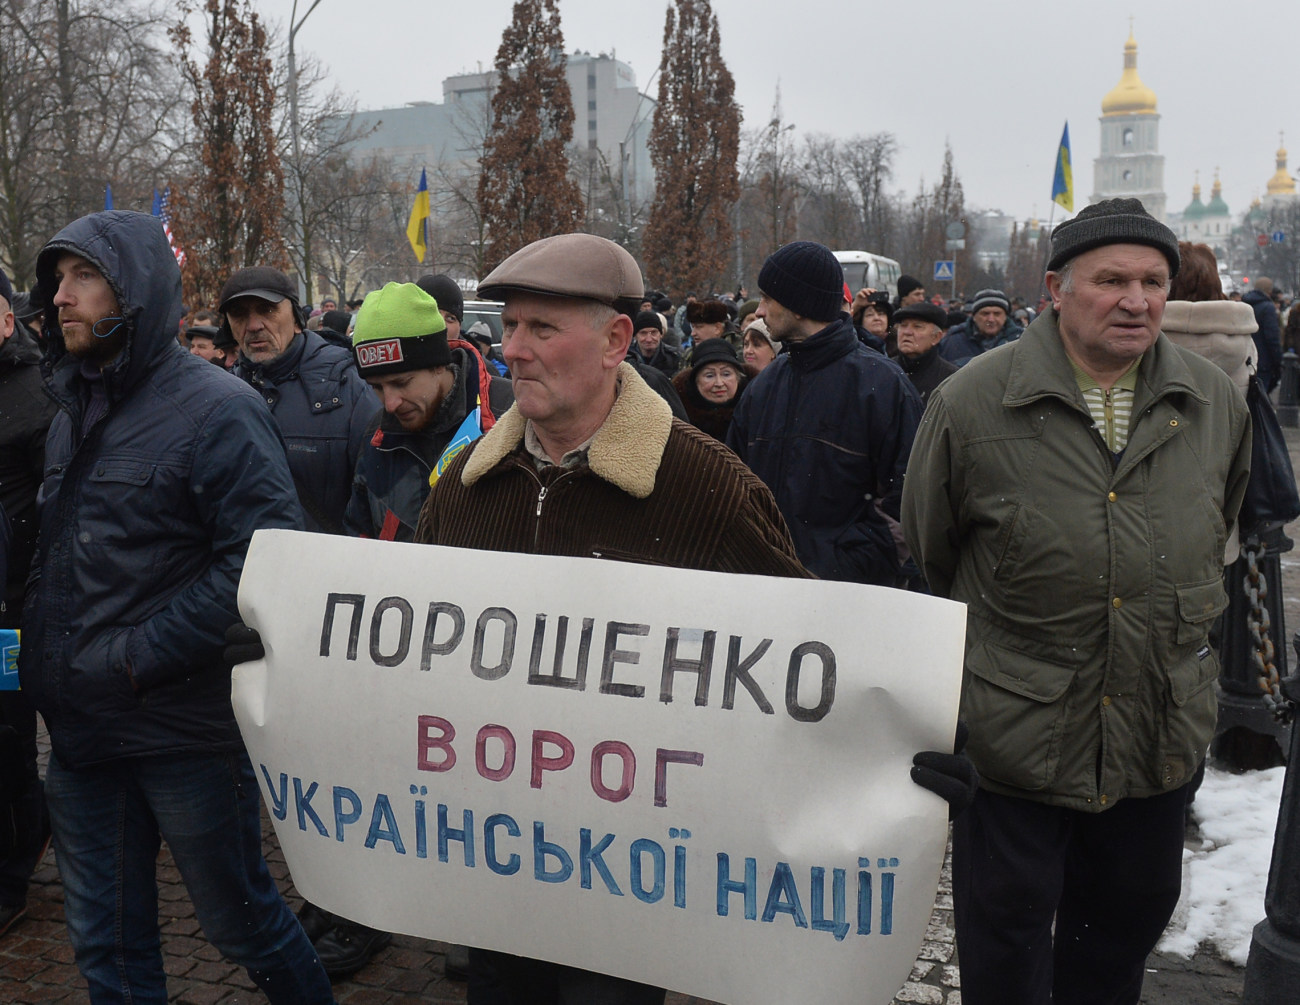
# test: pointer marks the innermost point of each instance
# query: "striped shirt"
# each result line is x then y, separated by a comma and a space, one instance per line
1111, 409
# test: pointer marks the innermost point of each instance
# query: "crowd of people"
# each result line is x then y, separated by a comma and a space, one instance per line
1068, 472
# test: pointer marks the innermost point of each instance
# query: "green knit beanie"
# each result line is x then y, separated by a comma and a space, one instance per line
399, 328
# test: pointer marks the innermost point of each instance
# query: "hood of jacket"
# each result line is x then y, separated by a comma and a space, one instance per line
20, 348
132, 253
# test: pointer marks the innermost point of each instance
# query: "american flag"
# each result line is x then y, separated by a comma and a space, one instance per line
160, 211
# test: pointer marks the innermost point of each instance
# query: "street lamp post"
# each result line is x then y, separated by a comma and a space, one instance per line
304, 281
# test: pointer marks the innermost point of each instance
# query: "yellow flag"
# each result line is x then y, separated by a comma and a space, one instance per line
417, 225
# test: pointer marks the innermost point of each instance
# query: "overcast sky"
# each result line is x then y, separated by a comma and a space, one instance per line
997, 81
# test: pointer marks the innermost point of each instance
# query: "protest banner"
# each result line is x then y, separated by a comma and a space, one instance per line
689, 779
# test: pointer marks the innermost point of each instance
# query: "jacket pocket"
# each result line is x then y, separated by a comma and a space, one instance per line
1198, 605
1016, 706
123, 472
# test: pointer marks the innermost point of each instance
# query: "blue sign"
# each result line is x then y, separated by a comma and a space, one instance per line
944, 271
1279, 236
9, 659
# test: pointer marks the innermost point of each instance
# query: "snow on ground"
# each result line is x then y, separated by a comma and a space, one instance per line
1224, 880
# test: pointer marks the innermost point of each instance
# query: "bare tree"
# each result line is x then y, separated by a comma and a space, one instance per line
869, 163
88, 96
228, 214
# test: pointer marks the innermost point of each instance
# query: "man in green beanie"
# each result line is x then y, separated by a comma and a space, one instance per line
437, 398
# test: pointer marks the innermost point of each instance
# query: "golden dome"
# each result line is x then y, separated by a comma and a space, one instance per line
1281, 183
1130, 96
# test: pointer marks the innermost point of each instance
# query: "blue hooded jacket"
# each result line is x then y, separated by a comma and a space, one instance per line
145, 519
828, 426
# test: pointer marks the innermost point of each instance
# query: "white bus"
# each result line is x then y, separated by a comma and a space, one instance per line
862, 268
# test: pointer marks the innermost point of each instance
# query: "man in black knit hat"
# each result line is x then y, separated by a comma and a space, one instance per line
829, 423
1075, 489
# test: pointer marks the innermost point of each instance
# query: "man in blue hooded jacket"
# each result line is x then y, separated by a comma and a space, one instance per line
158, 468
828, 425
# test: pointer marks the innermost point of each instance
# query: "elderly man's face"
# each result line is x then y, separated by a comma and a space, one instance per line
1111, 314
262, 329
917, 337
561, 359
648, 339
989, 320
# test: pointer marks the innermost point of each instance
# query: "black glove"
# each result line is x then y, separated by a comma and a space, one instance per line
951, 777
243, 645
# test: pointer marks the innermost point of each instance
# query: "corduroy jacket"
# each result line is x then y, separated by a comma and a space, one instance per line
655, 490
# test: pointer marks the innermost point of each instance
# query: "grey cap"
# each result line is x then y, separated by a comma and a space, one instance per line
570, 265
1112, 221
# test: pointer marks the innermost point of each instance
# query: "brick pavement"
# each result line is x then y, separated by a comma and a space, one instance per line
36, 963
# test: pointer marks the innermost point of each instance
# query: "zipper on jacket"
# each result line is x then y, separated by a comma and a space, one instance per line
541, 498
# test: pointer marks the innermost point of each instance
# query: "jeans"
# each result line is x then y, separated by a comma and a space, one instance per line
108, 823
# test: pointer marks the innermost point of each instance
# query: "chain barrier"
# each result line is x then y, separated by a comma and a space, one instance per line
1259, 624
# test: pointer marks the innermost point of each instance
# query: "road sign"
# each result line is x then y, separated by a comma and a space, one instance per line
1279, 236
944, 271
1262, 240
955, 231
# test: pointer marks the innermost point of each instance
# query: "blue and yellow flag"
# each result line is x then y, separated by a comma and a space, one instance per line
417, 226
1063, 182
470, 430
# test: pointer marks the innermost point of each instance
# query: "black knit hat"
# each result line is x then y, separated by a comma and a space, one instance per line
648, 319
446, 291
714, 350
1112, 221
906, 284
922, 310
804, 277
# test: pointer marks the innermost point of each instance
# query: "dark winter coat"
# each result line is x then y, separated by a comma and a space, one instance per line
1268, 338
828, 426
25, 414
665, 358
927, 372
1091, 582
324, 410
144, 520
964, 342
392, 476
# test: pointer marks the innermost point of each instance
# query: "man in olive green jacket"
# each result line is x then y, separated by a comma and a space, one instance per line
1076, 489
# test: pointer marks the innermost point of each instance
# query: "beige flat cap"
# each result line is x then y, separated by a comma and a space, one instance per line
570, 265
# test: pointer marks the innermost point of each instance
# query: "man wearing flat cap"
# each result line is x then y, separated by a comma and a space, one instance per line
1075, 489
920, 327
828, 425
319, 401
988, 327
590, 462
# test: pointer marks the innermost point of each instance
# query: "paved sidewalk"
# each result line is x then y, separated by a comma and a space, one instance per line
36, 963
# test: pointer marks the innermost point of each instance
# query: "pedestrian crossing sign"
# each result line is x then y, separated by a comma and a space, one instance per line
943, 271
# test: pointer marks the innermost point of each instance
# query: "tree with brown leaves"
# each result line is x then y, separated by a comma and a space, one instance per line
227, 213
693, 147
524, 190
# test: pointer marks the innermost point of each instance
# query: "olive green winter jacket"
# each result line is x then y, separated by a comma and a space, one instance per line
1091, 582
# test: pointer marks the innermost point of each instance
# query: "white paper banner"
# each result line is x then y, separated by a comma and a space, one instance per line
707, 789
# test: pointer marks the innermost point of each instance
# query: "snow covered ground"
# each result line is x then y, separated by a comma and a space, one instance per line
1224, 880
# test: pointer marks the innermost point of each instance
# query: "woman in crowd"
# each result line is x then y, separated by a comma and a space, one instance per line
759, 348
711, 387
1199, 317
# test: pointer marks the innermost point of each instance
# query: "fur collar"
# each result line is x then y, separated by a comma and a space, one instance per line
626, 450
